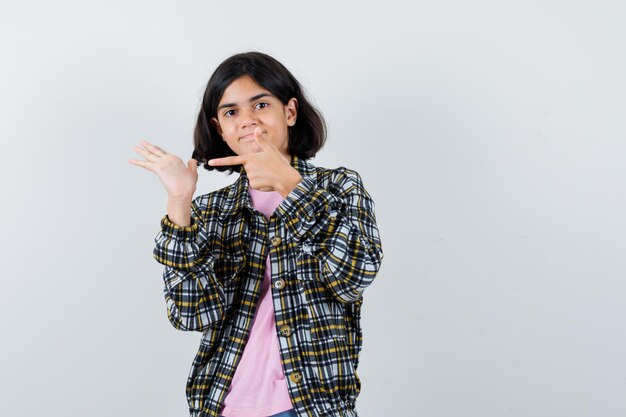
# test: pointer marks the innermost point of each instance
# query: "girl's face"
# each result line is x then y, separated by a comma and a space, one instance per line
246, 105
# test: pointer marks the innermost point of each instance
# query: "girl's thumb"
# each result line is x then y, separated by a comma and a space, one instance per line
192, 164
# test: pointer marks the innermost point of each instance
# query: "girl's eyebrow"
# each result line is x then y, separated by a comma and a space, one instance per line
258, 96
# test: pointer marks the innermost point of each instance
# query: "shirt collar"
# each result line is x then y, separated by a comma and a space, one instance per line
239, 195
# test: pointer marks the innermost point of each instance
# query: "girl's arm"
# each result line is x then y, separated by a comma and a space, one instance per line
193, 295
337, 226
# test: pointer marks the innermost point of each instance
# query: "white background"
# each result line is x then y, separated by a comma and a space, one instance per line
489, 133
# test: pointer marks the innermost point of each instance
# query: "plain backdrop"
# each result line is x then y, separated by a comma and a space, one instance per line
490, 134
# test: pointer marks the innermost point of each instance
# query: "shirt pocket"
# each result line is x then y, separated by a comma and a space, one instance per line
354, 332
335, 334
323, 220
203, 366
326, 314
227, 267
228, 272
333, 375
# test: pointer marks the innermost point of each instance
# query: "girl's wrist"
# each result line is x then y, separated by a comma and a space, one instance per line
180, 198
179, 211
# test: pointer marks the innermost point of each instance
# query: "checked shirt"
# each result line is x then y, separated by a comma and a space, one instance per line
324, 249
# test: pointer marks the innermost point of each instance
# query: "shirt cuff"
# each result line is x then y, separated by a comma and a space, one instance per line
183, 233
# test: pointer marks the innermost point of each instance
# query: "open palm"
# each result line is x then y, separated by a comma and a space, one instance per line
178, 179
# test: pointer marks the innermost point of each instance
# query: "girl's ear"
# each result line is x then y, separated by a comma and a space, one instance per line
216, 123
291, 111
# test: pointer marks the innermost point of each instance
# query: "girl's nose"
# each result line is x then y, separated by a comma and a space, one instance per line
248, 118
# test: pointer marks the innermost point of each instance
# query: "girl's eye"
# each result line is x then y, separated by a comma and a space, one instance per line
227, 111
266, 104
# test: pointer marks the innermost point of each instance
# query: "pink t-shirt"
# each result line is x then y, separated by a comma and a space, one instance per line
259, 387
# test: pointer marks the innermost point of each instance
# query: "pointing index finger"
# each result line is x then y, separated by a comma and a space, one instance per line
227, 160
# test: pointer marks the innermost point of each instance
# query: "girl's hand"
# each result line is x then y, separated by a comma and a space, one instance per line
179, 179
267, 169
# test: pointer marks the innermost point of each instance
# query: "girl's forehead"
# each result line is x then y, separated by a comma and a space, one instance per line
245, 82
243, 90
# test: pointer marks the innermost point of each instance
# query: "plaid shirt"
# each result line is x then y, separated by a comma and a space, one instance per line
324, 249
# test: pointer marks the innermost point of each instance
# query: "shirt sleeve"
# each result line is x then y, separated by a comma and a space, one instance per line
193, 296
338, 224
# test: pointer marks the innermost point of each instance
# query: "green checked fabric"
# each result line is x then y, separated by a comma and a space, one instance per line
325, 250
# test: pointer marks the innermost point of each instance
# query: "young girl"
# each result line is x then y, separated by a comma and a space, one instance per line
272, 268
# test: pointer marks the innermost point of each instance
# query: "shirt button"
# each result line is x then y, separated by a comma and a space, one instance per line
275, 240
279, 284
285, 330
296, 377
